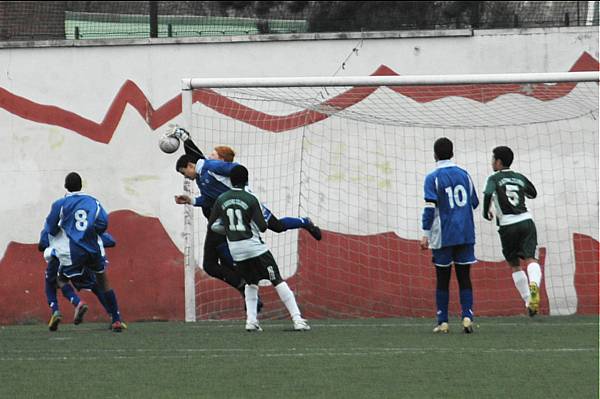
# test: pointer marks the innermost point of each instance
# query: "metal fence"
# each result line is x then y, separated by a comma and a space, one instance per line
79, 20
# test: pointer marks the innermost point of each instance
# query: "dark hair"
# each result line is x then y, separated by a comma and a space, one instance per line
73, 182
183, 161
239, 176
504, 154
443, 148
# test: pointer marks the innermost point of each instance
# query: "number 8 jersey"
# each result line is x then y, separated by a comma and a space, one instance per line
509, 190
75, 224
449, 202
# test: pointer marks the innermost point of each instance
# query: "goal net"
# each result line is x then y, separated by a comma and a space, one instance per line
352, 154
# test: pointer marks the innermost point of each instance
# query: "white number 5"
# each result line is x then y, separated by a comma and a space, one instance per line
512, 193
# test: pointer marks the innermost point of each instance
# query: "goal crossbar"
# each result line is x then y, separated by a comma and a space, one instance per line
416, 80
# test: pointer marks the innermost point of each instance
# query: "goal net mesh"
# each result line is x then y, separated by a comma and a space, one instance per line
354, 160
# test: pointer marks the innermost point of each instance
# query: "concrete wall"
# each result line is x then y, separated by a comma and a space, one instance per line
99, 110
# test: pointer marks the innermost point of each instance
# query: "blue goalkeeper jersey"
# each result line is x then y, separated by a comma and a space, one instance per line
74, 225
212, 178
450, 199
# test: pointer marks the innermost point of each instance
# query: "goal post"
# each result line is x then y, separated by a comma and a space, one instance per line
352, 154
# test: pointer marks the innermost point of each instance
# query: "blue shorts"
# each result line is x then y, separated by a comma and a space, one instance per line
461, 254
95, 264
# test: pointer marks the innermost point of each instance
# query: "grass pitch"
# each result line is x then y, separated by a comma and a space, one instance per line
517, 357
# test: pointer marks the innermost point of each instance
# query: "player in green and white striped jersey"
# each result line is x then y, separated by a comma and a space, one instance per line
242, 219
508, 190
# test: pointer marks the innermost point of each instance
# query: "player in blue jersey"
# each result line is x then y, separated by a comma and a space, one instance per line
212, 177
50, 283
74, 225
449, 231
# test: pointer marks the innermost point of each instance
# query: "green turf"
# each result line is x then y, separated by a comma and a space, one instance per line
546, 357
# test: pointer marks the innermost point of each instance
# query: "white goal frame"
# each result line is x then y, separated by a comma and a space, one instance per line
189, 84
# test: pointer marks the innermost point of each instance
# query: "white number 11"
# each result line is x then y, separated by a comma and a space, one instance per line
233, 226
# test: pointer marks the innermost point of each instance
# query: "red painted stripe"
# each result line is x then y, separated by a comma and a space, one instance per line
131, 94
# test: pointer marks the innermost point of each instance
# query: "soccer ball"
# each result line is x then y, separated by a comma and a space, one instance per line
168, 144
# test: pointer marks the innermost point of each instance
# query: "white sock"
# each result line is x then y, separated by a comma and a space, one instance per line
535, 273
289, 300
522, 284
251, 298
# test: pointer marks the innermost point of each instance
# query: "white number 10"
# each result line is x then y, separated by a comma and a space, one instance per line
458, 196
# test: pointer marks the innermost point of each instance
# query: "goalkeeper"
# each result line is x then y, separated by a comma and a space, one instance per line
212, 177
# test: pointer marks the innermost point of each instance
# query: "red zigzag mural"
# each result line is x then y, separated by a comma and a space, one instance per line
131, 94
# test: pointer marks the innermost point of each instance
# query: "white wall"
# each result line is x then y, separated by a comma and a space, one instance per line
129, 172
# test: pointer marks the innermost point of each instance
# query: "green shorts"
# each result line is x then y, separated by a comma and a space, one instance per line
519, 240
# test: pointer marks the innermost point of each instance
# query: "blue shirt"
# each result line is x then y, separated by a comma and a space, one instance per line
450, 199
212, 178
74, 225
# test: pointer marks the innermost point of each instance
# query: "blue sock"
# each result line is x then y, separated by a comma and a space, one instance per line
101, 298
50, 289
111, 302
293, 223
69, 293
466, 302
441, 300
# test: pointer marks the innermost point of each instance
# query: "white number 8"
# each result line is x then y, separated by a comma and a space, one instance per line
81, 222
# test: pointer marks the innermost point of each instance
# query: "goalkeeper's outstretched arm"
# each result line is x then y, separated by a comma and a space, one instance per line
192, 150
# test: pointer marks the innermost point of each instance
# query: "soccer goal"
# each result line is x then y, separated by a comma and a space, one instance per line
352, 154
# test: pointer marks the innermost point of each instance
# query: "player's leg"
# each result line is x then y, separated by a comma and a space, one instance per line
510, 239
288, 223
213, 267
270, 271
50, 286
110, 297
69, 293
442, 260
464, 257
248, 271
226, 262
534, 271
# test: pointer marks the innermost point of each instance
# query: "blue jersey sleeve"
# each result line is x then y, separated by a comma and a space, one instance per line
219, 167
430, 189
431, 198
200, 201
53, 218
474, 199
101, 222
44, 242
